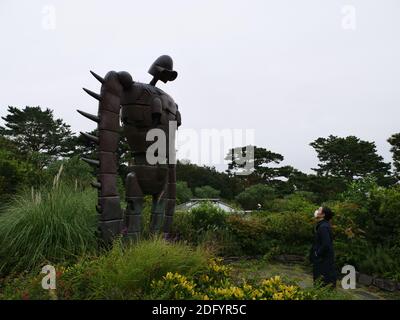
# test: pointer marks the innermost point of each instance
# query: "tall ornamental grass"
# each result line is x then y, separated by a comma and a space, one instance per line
50, 225
126, 272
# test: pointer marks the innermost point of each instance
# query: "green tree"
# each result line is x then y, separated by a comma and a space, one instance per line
183, 192
265, 164
74, 171
394, 140
323, 187
381, 221
198, 176
359, 191
349, 158
36, 133
206, 192
15, 172
250, 198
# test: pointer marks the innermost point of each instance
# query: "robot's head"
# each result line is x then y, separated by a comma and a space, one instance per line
162, 69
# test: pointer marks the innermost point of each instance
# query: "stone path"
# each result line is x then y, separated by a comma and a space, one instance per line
258, 269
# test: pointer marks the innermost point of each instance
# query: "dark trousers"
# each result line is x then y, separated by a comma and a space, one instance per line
325, 274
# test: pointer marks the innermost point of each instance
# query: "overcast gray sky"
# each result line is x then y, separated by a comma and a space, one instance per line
291, 70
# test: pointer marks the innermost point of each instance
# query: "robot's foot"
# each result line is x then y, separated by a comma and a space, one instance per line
168, 237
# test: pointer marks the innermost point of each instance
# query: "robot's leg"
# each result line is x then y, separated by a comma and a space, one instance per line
171, 201
157, 212
134, 199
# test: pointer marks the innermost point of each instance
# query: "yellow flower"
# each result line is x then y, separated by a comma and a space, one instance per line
277, 296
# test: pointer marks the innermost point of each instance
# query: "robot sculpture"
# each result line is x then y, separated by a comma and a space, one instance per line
140, 107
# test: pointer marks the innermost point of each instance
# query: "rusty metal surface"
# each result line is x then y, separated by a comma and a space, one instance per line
140, 107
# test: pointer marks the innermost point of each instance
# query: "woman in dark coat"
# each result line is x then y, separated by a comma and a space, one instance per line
322, 255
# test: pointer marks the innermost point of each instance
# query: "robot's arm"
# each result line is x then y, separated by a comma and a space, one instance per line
108, 119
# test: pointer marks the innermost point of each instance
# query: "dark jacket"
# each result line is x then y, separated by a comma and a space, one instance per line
322, 255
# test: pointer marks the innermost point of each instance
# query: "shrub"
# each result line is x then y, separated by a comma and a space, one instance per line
350, 252
379, 261
206, 192
207, 216
193, 224
154, 270
291, 229
378, 211
182, 227
383, 223
204, 225
254, 195
176, 286
238, 234
50, 224
183, 192
359, 191
349, 220
125, 272
297, 202
249, 233
74, 171
283, 233
15, 173
216, 284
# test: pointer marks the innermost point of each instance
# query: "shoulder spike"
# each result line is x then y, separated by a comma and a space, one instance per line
91, 161
92, 94
97, 77
96, 185
90, 137
89, 116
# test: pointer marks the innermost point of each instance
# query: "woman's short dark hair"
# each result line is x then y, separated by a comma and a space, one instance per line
328, 213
